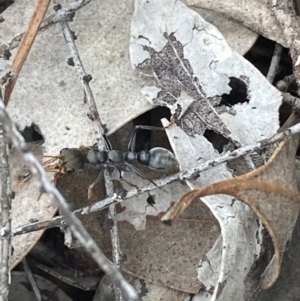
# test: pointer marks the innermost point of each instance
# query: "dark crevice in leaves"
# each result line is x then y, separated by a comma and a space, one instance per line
217, 140
238, 93
32, 133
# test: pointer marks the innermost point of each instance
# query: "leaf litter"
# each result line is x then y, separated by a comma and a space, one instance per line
270, 191
194, 72
27, 207
185, 102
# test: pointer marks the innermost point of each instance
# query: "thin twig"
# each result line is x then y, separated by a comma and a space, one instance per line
183, 175
78, 230
84, 78
5, 222
25, 46
115, 243
63, 14
114, 233
274, 65
58, 221
31, 280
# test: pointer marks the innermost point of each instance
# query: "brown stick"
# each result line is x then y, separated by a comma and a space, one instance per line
25, 46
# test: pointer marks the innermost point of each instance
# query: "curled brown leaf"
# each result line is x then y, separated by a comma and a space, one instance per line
270, 191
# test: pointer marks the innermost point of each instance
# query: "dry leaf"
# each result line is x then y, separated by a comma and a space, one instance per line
25, 205
194, 70
168, 256
271, 192
54, 88
239, 37
223, 262
103, 47
255, 14
74, 188
152, 292
145, 290
150, 246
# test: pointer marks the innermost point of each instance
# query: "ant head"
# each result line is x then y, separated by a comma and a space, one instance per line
71, 159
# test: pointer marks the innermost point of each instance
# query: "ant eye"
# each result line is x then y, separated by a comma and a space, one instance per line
69, 170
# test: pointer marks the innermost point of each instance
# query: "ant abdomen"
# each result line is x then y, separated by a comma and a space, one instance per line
158, 158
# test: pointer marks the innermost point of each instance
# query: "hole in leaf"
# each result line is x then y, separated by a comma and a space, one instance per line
217, 140
32, 133
238, 93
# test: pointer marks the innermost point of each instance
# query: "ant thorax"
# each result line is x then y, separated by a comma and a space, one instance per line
116, 156
95, 157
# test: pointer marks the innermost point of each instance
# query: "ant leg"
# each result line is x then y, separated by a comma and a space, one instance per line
138, 172
107, 143
99, 177
121, 173
132, 141
49, 161
53, 169
58, 172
